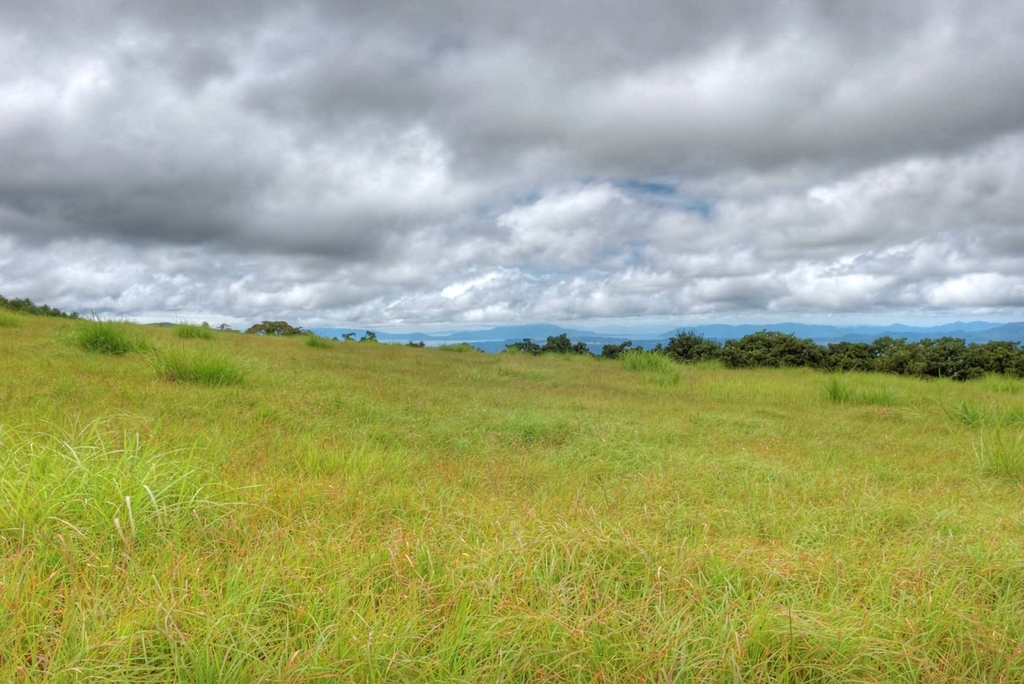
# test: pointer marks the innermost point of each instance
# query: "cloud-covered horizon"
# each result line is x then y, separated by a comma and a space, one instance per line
481, 163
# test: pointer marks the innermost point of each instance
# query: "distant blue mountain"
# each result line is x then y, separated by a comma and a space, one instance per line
495, 339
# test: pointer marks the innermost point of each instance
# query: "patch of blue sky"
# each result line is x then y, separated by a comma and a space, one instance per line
666, 194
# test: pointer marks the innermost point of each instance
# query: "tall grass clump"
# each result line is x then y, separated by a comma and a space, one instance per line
837, 391
107, 337
460, 347
1003, 384
188, 331
878, 396
202, 366
9, 320
966, 413
317, 342
1001, 455
657, 368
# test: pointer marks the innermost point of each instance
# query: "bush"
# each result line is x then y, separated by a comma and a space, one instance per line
849, 356
204, 366
107, 337
196, 332
689, 346
773, 350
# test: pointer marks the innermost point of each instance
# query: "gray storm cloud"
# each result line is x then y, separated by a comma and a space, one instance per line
485, 162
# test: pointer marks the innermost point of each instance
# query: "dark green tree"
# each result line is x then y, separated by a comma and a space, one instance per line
771, 349
557, 345
277, 328
689, 346
527, 346
614, 351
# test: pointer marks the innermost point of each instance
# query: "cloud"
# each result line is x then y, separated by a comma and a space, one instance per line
486, 162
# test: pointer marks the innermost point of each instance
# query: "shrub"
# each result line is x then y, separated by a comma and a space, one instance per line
318, 342
203, 366
9, 320
197, 332
107, 337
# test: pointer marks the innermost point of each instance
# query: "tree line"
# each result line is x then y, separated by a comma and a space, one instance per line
26, 306
946, 357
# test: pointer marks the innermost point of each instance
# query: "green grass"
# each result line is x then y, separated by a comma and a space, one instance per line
195, 332
9, 320
381, 513
318, 342
202, 366
107, 337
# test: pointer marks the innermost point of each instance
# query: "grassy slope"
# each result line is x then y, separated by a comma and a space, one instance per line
379, 513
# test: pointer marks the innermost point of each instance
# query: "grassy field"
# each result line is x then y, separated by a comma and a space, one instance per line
365, 512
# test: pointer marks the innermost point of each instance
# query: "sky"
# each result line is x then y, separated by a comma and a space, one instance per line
469, 163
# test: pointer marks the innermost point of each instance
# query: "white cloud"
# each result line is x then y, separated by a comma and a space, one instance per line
344, 161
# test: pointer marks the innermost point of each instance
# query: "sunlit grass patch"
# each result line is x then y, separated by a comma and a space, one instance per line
196, 332
202, 366
107, 337
9, 320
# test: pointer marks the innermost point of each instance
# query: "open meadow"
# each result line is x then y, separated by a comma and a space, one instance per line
234, 508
